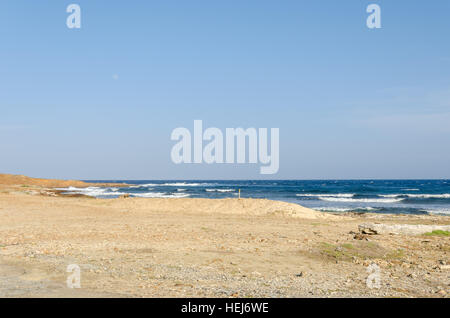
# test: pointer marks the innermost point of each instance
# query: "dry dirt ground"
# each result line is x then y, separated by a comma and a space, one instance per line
207, 248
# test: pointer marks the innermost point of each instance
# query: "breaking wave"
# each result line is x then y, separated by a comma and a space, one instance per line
337, 209
337, 195
113, 192
419, 196
160, 195
367, 200
219, 190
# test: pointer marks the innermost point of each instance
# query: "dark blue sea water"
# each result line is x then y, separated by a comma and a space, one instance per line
377, 196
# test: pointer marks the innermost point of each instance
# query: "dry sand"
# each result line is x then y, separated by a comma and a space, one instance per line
24, 181
135, 247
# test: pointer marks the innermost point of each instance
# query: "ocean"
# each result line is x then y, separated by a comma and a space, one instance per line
375, 196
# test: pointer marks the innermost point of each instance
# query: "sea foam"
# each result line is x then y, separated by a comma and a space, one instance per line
365, 200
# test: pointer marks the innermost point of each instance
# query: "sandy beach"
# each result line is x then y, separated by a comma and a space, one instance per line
137, 247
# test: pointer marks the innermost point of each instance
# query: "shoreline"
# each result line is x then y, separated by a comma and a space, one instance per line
137, 247
21, 180
412, 197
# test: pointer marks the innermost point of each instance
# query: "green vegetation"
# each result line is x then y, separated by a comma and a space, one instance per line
396, 255
362, 250
342, 252
320, 224
438, 233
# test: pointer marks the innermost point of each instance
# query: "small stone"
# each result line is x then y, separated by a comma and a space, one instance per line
360, 237
367, 229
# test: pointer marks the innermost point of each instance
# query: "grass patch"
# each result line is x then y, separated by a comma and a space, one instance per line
438, 233
396, 255
337, 252
347, 251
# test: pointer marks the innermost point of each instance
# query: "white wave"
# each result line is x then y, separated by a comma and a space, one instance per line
411, 189
181, 190
430, 196
361, 200
336, 209
160, 195
391, 195
144, 185
76, 189
82, 190
92, 191
219, 190
439, 211
336, 195
112, 192
184, 184
105, 194
170, 184
420, 196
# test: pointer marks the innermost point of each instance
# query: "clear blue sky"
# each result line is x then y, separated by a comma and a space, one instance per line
350, 102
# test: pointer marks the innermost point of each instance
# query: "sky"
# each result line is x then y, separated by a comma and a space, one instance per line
101, 102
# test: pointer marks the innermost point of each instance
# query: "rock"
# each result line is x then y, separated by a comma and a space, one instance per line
124, 196
445, 267
376, 228
368, 229
442, 292
360, 237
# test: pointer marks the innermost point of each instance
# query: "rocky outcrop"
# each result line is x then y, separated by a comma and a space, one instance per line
376, 228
